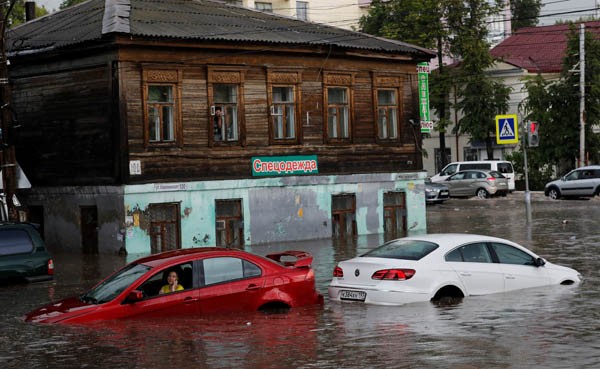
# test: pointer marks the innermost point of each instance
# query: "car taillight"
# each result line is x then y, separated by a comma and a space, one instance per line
338, 272
491, 179
310, 275
393, 274
50, 267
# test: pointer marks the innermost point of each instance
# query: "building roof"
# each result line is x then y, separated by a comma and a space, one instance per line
538, 49
202, 20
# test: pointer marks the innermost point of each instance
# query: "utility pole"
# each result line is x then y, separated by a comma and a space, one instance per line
8, 161
582, 95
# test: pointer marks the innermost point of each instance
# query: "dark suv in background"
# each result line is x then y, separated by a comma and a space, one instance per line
23, 254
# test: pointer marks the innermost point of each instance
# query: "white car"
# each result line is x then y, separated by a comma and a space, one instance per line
436, 266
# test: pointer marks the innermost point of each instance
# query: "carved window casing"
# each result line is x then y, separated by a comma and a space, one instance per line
339, 114
388, 109
284, 107
162, 107
226, 101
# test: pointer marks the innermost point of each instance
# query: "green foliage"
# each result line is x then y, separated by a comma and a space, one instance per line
481, 97
451, 27
555, 105
538, 175
17, 13
67, 3
418, 22
525, 13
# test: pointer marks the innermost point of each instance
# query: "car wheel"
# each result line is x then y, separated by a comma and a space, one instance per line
482, 193
554, 193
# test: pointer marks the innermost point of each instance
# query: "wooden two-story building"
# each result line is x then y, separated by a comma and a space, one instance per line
152, 125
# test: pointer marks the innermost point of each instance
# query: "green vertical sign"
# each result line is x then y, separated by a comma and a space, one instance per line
423, 76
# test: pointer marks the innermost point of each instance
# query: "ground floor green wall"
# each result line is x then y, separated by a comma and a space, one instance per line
273, 209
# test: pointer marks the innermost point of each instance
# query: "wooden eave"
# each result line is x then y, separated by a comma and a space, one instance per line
126, 40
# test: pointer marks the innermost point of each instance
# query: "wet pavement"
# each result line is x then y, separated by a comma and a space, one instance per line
550, 327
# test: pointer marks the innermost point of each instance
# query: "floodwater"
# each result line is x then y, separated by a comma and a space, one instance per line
550, 327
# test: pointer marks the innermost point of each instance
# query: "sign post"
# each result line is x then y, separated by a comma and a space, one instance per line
423, 76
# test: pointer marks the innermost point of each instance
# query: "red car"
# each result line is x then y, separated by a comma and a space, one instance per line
205, 280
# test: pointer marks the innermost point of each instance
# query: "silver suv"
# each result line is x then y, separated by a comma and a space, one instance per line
580, 182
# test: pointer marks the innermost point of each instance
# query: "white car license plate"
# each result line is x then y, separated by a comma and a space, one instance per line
353, 295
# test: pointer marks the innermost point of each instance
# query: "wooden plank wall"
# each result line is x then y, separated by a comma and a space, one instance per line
66, 133
72, 117
197, 160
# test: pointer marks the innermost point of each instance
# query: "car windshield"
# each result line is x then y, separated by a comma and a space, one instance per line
113, 286
402, 249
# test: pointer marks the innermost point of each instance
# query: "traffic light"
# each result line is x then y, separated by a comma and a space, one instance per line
533, 134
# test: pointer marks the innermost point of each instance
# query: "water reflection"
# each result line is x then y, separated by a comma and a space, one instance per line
549, 327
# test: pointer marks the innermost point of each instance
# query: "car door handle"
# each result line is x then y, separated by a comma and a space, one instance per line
252, 287
465, 274
510, 277
189, 300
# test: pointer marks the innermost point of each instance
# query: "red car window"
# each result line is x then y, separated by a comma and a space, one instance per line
223, 269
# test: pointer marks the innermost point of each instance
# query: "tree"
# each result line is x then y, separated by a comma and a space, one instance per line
452, 27
68, 3
16, 14
416, 22
419, 22
480, 97
556, 106
524, 13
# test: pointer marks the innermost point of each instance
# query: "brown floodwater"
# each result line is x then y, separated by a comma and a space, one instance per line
550, 327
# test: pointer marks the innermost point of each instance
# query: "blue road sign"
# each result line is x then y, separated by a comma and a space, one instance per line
507, 129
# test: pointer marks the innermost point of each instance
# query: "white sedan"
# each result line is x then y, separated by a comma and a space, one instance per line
437, 266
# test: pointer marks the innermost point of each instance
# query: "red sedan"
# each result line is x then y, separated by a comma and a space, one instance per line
192, 281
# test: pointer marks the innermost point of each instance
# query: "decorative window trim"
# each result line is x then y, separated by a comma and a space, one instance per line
388, 82
233, 75
164, 77
285, 78
339, 80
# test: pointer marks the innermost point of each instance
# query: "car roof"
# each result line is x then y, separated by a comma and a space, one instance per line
180, 255
18, 225
476, 170
588, 167
479, 162
448, 241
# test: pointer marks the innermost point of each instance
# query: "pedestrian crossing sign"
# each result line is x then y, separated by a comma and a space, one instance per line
507, 129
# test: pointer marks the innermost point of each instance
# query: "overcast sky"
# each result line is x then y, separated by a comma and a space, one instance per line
574, 7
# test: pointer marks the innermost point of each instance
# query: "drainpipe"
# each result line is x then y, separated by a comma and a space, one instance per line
9, 163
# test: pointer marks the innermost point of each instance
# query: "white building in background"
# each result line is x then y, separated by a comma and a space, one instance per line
347, 13
338, 13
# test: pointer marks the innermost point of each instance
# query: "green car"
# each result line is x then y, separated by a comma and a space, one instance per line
23, 254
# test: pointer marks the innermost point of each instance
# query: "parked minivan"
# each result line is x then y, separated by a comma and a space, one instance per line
504, 167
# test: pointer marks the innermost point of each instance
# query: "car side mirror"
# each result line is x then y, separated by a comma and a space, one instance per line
135, 296
539, 262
